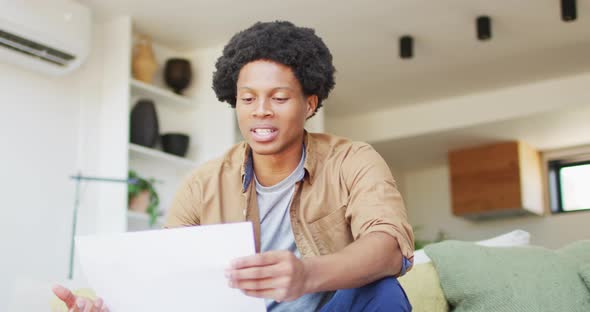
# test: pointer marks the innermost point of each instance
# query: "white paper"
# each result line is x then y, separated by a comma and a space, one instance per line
168, 270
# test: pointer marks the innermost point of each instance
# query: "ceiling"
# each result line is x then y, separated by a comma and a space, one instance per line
563, 128
530, 41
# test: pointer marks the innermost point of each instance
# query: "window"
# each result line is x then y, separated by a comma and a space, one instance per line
569, 184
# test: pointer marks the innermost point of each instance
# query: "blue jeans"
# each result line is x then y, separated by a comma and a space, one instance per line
382, 295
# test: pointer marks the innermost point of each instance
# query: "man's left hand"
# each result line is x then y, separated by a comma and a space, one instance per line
277, 275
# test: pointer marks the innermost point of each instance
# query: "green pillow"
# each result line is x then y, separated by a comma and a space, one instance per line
585, 274
477, 278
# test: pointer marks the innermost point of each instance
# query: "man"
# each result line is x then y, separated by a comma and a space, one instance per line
330, 225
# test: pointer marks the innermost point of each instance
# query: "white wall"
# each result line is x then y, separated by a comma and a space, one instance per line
39, 126
111, 125
52, 128
215, 128
427, 196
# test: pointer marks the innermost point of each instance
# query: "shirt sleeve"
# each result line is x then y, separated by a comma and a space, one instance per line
375, 204
185, 205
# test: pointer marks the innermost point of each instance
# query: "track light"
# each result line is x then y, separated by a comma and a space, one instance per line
568, 10
484, 28
406, 47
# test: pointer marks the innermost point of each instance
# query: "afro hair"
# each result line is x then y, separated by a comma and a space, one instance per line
282, 42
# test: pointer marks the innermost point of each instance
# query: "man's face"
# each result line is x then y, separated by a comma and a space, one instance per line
271, 107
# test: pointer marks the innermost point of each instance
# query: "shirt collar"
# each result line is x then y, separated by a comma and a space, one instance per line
247, 171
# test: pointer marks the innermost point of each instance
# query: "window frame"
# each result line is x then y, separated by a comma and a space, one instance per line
554, 167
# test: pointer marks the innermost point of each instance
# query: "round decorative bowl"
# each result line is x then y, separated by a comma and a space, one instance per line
175, 143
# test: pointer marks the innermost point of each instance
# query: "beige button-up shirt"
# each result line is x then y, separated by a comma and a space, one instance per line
347, 192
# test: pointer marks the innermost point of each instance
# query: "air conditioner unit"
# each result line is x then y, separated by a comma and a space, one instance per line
52, 37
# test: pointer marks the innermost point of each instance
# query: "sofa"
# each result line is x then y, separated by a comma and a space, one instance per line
504, 273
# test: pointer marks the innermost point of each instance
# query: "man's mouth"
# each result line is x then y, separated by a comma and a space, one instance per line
265, 134
264, 131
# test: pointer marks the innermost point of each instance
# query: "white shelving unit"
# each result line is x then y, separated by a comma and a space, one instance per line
197, 113
176, 113
159, 95
138, 151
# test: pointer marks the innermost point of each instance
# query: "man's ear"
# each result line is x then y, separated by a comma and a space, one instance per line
312, 104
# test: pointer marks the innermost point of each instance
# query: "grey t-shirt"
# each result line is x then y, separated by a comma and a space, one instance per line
276, 233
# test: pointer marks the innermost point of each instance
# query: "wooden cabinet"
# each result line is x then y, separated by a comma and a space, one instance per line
497, 180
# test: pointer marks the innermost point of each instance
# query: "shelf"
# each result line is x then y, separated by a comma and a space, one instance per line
145, 152
159, 95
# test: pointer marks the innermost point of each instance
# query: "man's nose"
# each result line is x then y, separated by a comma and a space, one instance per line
263, 108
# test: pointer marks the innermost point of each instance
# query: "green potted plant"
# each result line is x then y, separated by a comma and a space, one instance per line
420, 243
142, 196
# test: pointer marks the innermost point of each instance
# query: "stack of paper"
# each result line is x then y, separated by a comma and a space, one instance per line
168, 270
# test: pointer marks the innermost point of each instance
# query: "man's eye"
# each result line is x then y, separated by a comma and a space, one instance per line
281, 99
247, 100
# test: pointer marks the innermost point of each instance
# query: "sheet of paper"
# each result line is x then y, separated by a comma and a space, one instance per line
168, 270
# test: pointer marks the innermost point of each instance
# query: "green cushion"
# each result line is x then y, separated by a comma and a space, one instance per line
477, 278
422, 286
585, 274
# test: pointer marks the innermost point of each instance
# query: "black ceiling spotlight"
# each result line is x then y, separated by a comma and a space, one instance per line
484, 27
568, 10
406, 47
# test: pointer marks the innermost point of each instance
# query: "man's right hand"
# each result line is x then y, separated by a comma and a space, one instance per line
78, 304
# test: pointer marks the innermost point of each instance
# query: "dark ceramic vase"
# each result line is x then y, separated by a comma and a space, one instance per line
178, 74
144, 123
175, 143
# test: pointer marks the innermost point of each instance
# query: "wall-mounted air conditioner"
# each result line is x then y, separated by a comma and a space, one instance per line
50, 36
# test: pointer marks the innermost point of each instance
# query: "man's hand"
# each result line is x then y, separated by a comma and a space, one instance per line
78, 304
277, 275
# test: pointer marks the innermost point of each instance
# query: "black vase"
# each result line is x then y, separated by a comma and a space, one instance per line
175, 143
144, 123
178, 74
